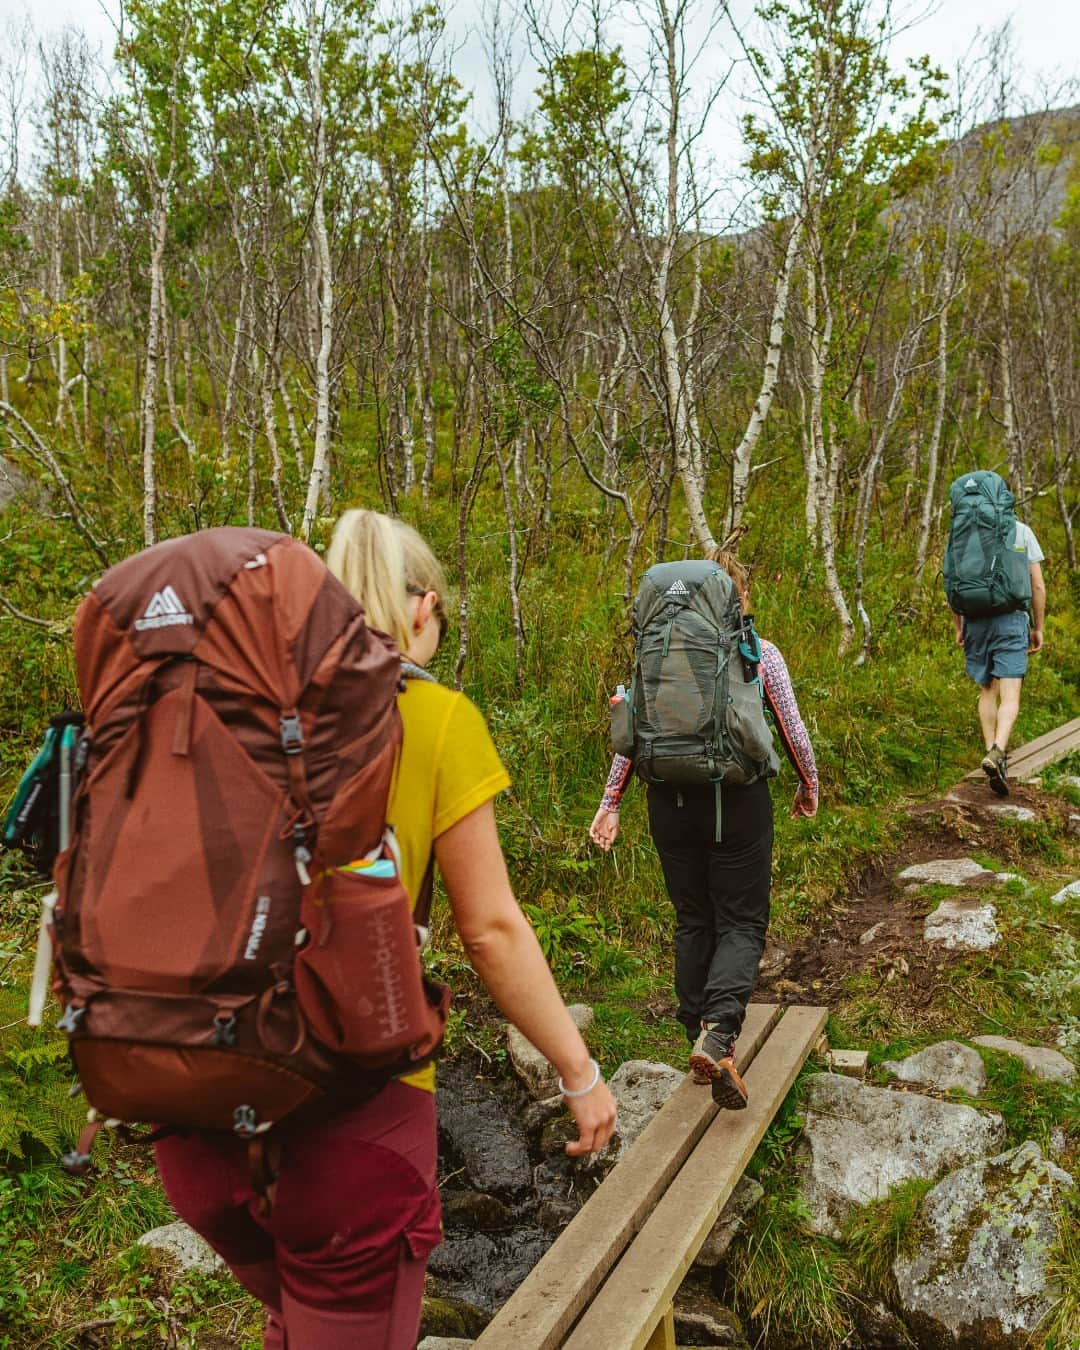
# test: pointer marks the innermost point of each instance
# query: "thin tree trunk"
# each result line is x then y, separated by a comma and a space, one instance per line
743, 460
150, 366
320, 458
933, 450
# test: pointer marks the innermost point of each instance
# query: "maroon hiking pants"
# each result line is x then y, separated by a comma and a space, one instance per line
339, 1261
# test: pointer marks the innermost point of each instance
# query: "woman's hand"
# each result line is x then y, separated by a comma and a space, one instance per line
806, 802
594, 1116
605, 828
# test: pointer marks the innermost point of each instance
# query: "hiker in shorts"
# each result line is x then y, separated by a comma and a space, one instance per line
997, 646
720, 889
339, 1260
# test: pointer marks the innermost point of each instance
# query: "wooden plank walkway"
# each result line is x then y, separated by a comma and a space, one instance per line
557, 1292
554, 1293
625, 1312
1027, 760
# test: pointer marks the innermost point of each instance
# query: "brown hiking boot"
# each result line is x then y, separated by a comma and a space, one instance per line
996, 767
712, 1061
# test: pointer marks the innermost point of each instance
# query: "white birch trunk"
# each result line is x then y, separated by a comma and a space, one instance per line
320, 458
743, 462
150, 365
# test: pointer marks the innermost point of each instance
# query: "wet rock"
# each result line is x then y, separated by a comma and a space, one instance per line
1011, 811
480, 1134
451, 1318
1069, 892
185, 1246
537, 1114
962, 925
476, 1211
946, 872
742, 1200
541, 1079
554, 1215
556, 1135
701, 1319
980, 1274
640, 1088
1050, 1065
484, 1269
859, 1142
948, 1064
879, 1328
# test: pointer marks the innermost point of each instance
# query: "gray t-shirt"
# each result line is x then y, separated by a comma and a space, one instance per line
1025, 538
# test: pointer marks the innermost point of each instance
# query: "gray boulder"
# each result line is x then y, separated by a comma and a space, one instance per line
943, 1066
640, 1088
742, 1200
185, 1246
962, 925
1069, 892
980, 1273
859, 1142
541, 1079
946, 872
1011, 811
701, 1319
1050, 1065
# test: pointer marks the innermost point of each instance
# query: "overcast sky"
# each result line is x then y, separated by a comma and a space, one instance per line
1045, 33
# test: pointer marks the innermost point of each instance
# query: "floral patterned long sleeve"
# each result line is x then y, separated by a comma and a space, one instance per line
781, 702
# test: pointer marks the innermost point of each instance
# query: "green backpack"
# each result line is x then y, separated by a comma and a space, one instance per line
695, 709
984, 572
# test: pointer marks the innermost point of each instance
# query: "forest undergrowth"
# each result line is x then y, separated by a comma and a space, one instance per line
891, 734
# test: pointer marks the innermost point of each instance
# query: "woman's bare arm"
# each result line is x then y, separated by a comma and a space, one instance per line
502, 947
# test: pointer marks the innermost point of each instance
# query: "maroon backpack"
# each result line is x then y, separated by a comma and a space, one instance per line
216, 966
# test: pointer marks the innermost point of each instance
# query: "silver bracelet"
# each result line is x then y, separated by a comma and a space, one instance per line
581, 1092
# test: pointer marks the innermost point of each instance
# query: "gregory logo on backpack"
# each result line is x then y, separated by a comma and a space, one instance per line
677, 588
164, 610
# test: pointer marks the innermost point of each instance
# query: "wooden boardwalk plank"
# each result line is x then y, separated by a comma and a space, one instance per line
1037, 754
553, 1294
626, 1311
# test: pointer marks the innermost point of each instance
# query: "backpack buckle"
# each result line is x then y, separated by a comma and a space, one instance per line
245, 1122
73, 1015
224, 1028
292, 733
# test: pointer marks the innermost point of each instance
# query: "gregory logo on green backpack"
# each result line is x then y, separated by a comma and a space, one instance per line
694, 712
984, 572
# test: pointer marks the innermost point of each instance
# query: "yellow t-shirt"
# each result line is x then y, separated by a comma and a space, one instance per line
448, 766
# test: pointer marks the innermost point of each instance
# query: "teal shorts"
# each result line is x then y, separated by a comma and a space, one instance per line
995, 648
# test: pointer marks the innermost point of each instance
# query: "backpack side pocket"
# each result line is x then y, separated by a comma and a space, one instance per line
622, 725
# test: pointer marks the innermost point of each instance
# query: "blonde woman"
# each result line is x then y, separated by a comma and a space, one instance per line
340, 1261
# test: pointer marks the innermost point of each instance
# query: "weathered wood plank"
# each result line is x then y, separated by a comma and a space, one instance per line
553, 1294
1037, 754
623, 1314
663, 1337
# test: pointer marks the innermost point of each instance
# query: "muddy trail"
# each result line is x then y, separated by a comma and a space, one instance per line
878, 928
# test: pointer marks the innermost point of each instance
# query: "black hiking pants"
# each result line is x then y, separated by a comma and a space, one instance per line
720, 892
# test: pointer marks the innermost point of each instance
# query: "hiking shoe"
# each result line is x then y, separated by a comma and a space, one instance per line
712, 1061
996, 767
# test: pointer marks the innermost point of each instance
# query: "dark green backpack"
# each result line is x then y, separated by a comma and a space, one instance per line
984, 572
694, 712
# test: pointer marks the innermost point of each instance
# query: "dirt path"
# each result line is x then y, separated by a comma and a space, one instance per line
879, 929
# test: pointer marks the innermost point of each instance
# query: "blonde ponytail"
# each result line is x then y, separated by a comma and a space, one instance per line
380, 560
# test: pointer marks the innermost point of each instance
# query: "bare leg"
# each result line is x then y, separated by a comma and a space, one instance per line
1008, 709
988, 713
